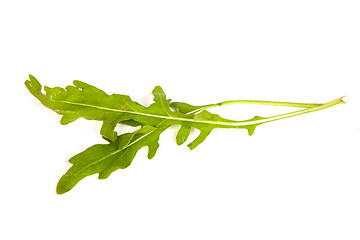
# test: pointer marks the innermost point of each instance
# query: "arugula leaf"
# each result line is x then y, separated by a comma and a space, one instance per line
106, 158
86, 101
89, 102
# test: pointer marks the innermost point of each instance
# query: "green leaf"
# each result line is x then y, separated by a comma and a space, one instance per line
85, 101
107, 158
89, 102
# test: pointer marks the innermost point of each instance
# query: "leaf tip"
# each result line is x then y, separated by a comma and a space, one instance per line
251, 130
191, 147
68, 118
65, 184
81, 85
34, 87
33, 82
61, 188
158, 89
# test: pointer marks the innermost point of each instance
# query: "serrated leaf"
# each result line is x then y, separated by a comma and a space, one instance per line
107, 158
86, 101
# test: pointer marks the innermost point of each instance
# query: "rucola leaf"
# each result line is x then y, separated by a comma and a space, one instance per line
106, 158
89, 102
85, 101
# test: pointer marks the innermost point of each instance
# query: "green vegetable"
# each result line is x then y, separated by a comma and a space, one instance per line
85, 101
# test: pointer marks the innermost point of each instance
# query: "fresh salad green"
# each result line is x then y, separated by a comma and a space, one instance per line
85, 101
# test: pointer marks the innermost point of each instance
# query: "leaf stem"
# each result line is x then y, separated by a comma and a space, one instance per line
269, 103
296, 113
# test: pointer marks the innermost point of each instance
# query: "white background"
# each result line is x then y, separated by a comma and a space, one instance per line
297, 178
